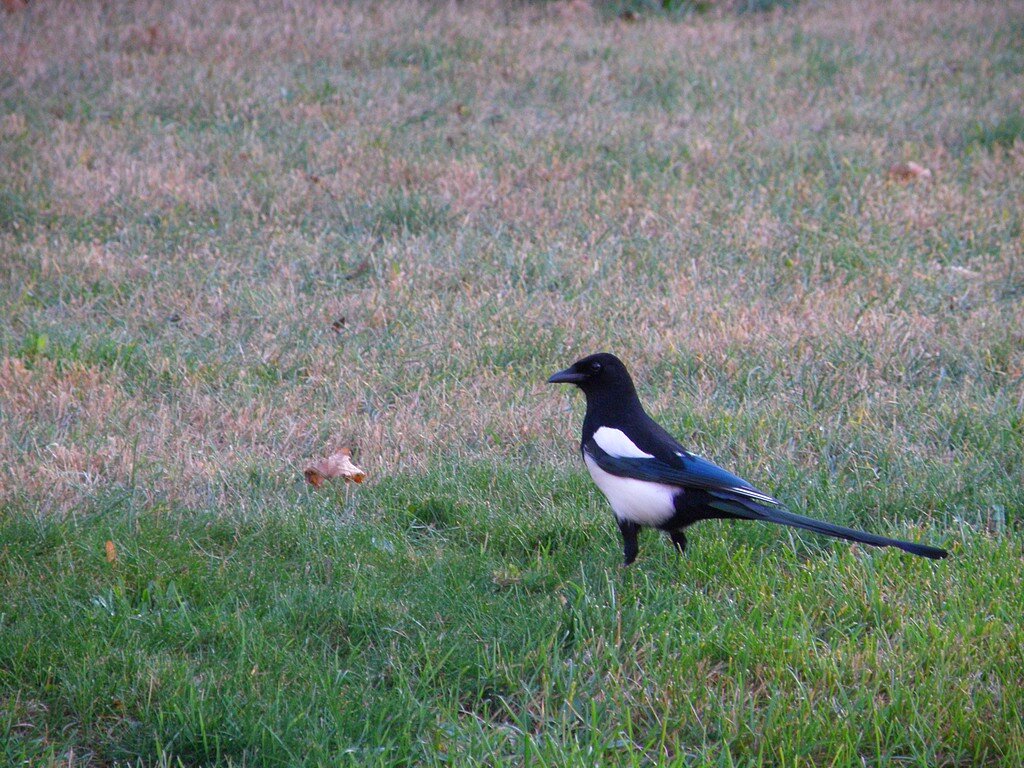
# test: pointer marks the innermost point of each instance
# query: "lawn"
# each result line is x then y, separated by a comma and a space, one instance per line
237, 236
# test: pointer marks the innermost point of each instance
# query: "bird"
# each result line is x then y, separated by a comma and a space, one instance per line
652, 481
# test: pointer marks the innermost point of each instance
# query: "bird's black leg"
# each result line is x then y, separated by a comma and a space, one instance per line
630, 545
679, 540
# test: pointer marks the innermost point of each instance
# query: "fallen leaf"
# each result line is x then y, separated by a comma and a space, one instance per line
908, 171
336, 465
111, 551
361, 269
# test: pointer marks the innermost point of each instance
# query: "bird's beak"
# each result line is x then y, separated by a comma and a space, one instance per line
568, 376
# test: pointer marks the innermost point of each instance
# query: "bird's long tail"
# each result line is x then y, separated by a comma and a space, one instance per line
754, 511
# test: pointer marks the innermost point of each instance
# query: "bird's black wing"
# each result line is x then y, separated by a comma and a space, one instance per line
733, 495
681, 468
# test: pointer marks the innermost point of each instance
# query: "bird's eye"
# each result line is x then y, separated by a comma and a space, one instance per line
595, 367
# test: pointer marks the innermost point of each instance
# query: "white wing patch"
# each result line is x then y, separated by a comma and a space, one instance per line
638, 501
615, 443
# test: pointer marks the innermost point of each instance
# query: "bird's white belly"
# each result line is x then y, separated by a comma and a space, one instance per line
635, 501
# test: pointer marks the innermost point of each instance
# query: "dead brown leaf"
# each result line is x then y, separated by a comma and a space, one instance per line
111, 551
909, 171
361, 269
336, 465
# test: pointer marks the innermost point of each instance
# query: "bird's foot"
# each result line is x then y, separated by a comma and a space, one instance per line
630, 541
678, 541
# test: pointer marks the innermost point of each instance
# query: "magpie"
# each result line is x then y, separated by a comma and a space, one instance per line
651, 481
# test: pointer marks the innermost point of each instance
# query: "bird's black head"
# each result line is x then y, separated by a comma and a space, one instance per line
600, 372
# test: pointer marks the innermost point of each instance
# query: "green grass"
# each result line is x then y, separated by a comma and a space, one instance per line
234, 238
1002, 133
480, 615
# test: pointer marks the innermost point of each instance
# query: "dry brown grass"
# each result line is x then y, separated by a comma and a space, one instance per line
524, 185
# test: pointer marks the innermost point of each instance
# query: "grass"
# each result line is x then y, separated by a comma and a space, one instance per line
454, 630
233, 238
